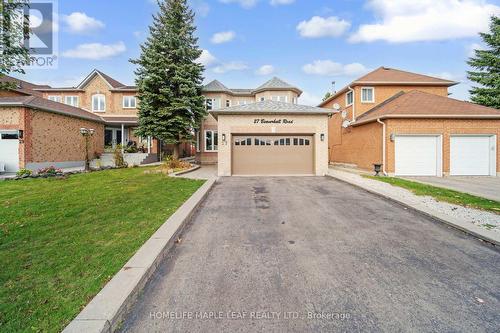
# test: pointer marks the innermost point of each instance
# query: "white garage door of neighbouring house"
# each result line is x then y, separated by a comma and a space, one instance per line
9, 150
472, 155
418, 155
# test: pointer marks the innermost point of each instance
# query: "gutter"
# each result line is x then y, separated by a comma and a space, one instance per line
353, 103
383, 146
415, 116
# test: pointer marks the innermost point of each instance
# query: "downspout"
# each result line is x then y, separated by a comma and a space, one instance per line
383, 146
353, 103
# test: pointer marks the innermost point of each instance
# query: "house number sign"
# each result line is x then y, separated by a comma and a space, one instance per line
272, 121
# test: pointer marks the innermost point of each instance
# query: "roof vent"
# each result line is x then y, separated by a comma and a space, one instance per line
385, 68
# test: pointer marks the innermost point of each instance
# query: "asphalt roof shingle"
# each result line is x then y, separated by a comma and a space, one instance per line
272, 107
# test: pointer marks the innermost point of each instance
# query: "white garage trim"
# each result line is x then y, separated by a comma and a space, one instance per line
418, 155
473, 155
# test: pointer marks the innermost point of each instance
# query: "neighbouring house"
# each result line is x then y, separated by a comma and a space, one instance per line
407, 123
262, 131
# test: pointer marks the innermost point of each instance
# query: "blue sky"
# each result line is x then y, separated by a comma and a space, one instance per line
309, 43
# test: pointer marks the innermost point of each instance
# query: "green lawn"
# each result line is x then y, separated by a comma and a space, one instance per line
61, 240
442, 194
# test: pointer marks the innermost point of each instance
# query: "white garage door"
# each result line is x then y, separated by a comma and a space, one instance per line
9, 150
472, 155
418, 155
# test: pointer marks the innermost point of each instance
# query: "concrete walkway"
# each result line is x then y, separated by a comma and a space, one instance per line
486, 187
205, 172
313, 254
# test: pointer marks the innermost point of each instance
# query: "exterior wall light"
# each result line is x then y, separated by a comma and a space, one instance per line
322, 137
392, 137
20, 134
223, 137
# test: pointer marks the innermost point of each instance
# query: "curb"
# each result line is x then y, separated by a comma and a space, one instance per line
468, 228
107, 309
186, 171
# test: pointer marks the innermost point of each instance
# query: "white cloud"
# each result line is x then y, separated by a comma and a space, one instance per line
78, 22
243, 3
95, 51
223, 37
424, 20
472, 48
206, 58
265, 70
309, 99
331, 68
229, 67
281, 2
318, 27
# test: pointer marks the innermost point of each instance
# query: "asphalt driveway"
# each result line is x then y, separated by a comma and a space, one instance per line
316, 254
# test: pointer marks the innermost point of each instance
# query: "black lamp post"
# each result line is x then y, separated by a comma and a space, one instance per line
87, 133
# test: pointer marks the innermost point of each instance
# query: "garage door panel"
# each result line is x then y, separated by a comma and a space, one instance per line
470, 155
417, 155
272, 155
9, 150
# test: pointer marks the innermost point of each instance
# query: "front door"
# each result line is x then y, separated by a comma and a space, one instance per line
112, 137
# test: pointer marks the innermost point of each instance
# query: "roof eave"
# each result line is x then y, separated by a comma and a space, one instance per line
216, 113
418, 116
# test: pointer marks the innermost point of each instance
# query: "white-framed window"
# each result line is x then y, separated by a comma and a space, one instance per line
211, 140
280, 98
243, 102
367, 95
349, 98
54, 98
294, 100
98, 103
228, 103
212, 103
129, 102
71, 100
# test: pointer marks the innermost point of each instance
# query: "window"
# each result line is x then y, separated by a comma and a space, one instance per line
294, 100
228, 103
280, 98
367, 95
244, 142
212, 103
211, 141
242, 102
55, 98
262, 99
71, 100
9, 136
98, 103
349, 98
262, 142
129, 102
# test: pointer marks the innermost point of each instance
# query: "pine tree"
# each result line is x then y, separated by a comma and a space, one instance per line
487, 63
13, 30
169, 79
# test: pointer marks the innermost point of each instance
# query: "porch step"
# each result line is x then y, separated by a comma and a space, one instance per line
151, 158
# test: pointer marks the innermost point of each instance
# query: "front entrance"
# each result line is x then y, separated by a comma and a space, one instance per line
273, 155
113, 137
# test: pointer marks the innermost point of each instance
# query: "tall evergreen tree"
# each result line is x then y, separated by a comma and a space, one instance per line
14, 29
169, 79
487, 63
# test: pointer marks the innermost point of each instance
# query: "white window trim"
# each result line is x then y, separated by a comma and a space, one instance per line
72, 97
373, 95
228, 100
54, 98
346, 98
205, 141
104, 97
129, 107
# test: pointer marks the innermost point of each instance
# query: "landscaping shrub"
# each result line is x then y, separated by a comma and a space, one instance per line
23, 173
50, 171
118, 157
172, 163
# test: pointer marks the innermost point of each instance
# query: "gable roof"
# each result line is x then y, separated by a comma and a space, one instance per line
272, 84
271, 107
419, 104
392, 76
35, 102
112, 83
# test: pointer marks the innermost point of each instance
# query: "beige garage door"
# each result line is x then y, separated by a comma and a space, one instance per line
272, 155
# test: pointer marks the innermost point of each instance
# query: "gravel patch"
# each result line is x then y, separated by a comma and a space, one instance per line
487, 220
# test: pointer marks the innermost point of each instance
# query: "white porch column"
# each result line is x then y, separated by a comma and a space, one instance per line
123, 138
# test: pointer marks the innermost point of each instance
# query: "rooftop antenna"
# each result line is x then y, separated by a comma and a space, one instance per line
333, 87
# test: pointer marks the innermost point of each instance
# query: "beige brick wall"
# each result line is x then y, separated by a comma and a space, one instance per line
302, 124
446, 127
56, 138
10, 117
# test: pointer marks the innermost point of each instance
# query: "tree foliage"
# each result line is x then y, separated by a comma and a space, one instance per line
487, 65
14, 28
168, 77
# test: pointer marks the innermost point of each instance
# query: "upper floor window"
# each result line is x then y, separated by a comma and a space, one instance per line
243, 102
129, 102
71, 100
280, 98
367, 95
262, 99
54, 98
98, 103
349, 98
294, 100
212, 103
228, 103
